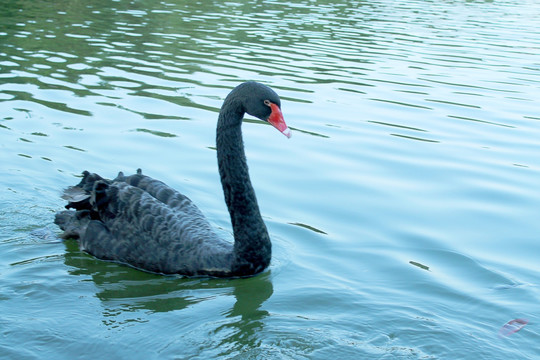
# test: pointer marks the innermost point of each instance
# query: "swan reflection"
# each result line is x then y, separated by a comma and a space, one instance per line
130, 296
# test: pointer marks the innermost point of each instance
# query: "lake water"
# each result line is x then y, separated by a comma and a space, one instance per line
404, 211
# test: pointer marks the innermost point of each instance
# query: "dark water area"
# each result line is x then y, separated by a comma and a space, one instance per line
403, 210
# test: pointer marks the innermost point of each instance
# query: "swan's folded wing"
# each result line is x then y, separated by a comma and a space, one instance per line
164, 193
137, 229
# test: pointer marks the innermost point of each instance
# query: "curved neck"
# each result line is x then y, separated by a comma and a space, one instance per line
252, 247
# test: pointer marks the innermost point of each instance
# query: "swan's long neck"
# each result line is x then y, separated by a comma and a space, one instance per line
252, 247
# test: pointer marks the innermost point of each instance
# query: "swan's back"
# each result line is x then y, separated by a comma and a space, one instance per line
142, 222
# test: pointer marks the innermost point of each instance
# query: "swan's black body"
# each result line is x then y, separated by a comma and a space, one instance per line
142, 222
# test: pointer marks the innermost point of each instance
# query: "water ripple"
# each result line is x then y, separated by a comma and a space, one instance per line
415, 148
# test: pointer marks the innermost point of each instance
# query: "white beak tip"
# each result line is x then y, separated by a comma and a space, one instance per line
287, 133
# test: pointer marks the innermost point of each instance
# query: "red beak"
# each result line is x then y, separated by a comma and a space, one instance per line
276, 119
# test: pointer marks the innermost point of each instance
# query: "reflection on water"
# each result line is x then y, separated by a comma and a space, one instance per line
403, 213
127, 294
161, 293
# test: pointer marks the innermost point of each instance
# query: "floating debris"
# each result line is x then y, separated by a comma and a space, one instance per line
421, 266
309, 227
512, 326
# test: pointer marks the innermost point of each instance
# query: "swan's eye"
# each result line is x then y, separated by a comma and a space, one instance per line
267, 102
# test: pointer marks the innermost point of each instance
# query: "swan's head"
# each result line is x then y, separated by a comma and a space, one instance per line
263, 103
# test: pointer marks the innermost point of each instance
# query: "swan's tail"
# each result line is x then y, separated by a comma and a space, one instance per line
79, 197
92, 199
73, 223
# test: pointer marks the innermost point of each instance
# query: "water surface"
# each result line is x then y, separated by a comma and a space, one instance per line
403, 211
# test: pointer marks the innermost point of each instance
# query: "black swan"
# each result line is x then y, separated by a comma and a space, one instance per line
141, 222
